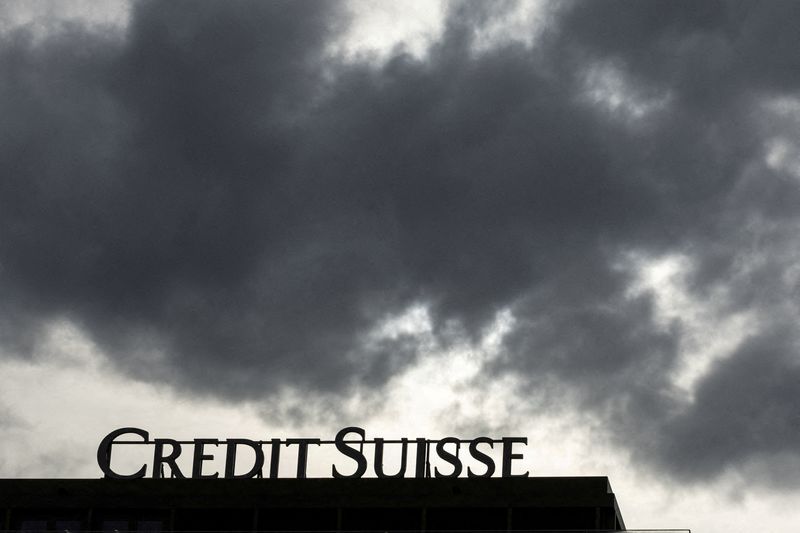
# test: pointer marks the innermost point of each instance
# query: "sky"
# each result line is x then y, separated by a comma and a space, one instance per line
571, 221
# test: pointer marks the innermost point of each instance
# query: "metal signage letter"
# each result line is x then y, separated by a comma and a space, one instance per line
104, 453
354, 454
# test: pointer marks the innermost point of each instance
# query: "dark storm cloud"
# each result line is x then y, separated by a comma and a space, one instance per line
746, 409
719, 62
223, 207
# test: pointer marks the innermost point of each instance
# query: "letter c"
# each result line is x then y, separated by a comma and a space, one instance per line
104, 453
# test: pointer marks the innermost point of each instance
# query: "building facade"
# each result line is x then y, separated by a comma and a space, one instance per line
345, 505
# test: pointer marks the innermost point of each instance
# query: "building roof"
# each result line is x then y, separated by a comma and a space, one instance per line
536, 498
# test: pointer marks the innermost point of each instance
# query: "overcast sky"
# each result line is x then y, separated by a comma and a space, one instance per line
575, 222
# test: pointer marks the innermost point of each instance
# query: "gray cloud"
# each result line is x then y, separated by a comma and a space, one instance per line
222, 206
747, 408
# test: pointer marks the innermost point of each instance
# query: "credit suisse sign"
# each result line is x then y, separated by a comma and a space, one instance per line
351, 444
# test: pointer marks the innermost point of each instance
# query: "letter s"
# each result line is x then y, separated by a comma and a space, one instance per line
351, 452
449, 457
482, 457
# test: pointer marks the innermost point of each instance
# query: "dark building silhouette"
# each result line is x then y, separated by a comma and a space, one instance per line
346, 505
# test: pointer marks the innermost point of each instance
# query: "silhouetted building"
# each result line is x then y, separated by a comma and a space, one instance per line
367, 504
